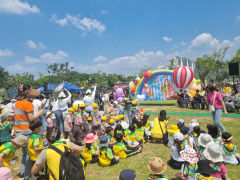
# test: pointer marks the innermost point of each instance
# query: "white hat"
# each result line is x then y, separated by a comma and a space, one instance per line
115, 102
178, 136
181, 121
204, 139
48, 113
61, 95
88, 91
213, 152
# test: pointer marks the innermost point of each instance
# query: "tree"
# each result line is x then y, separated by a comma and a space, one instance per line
3, 78
172, 65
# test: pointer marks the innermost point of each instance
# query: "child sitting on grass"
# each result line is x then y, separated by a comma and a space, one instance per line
91, 151
133, 141
157, 167
5, 127
105, 156
120, 149
8, 149
229, 149
35, 146
140, 131
109, 133
213, 131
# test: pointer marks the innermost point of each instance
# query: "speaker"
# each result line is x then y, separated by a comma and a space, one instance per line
233, 69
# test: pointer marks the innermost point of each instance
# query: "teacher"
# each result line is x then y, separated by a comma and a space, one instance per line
215, 98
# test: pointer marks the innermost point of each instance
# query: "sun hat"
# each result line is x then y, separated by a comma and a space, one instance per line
20, 140
95, 105
204, 168
178, 136
82, 105
104, 141
193, 123
213, 152
204, 139
90, 138
5, 174
189, 155
48, 113
75, 107
62, 95
111, 121
156, 165
127, 174
181, 121
173, 129
89, 119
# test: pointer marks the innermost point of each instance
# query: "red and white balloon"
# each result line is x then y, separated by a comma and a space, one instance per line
182, 77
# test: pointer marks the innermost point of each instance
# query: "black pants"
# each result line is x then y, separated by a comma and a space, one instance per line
94, 159
131, 153
113, 162
175, 164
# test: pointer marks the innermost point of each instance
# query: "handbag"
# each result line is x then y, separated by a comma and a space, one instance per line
165, 135
211, 107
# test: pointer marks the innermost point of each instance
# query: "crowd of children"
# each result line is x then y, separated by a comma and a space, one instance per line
106, 138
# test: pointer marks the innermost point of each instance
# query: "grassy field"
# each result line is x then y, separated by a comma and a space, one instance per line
139, 162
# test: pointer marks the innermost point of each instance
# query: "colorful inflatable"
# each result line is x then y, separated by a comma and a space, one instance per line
156, 85
183, 76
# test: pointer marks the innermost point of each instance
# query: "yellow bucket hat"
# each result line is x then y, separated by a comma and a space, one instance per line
111, 121
89, 119
95, 105
71, 109
104, 118
117, 118
173, 129
82, 105
75, 107
134, 102
121, 116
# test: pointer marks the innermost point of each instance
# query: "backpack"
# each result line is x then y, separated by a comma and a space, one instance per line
71, 167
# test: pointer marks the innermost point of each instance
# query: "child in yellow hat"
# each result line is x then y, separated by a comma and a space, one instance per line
68, 124
135, 112
96, 116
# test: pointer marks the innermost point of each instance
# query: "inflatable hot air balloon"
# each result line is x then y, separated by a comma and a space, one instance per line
182, 77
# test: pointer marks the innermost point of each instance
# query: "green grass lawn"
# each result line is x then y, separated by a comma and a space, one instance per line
139, 162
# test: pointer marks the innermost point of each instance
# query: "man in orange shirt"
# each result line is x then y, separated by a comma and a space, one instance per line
23, 115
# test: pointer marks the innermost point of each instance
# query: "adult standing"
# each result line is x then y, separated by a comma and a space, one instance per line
215, 99
61, 107
89, 100
128, 105
45, 105
23, 115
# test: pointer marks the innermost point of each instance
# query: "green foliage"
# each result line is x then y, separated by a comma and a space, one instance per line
3, 77
172, 65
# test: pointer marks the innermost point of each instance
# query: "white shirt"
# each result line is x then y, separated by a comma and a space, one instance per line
63, 104
36, 103
10, 106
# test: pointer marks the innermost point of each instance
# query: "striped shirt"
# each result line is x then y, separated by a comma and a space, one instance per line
21, 125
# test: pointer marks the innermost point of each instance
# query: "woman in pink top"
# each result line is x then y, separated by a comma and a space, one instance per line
218, 104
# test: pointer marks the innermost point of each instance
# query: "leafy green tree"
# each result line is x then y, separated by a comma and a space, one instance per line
172, 65
3, 78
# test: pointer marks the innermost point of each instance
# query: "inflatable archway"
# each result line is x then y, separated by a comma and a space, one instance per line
160, 86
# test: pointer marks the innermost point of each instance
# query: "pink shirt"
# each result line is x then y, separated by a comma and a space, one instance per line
218, 99
78, 120
67, 123
49, 122
221, 170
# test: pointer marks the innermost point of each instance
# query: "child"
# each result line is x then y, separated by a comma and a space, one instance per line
147, 133
204, 171
171, 131
5, 127
229, 149
68, 126
84, 116
203, 140
124, 123
105, 156
135, 111
213, 153
35, 146
119, 129
91, 151
181, 125
120, 149
109, 133
190, 166
176, 160
117, 119
213, 131
8, 149
140, 131
112, 123
133, 141
96, 120
89, 123
49, 122
157, 167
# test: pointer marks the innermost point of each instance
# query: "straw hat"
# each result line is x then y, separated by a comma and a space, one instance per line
173, 129
104, 141
20, 140
204, 139
156, 165
62, 95
90, 138
48, 113
213, 152
178, 136
189, 155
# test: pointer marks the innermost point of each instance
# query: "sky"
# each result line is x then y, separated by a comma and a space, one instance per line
113, 36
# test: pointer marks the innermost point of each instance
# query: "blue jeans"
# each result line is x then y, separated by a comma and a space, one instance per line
44, 127
59, 119
216, 116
